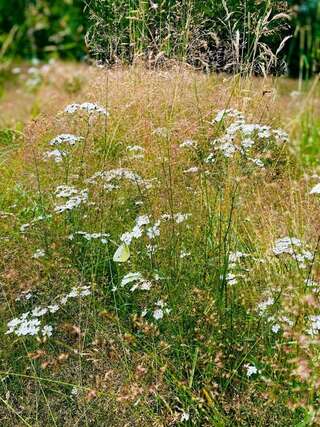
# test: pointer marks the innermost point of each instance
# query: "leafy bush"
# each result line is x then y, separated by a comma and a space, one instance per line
304, 52
36, 28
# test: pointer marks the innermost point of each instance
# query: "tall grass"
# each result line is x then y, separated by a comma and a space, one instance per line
231, 35
207, 320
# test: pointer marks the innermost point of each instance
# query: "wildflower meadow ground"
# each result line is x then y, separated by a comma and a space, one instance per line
159, 235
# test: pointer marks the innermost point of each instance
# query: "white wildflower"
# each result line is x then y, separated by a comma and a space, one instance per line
56, 155
154, 231
193, 169
28, 327
275, 328
108, 177
65, 138
316, 189
24, 295
251, 370
230, 279
228, 149
286, 245
185, 416
234, 257
131, 277
180, 217
184, 254
39, 253
76, 198
103, 237
53, 308
188, 143
162, 132
16, 70
158, 314
315, 324
262, 306
161, 309
247, 143
39, 311
87, 107
47, 330
135, 148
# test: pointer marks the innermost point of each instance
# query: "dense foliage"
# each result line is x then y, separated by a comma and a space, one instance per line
228, 35
304, 52
37, 28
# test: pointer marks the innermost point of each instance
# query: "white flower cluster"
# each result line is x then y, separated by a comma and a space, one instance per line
247, 133
136, 152
162, 132
314, 324
137, 230
65, 138
87, 107
116, 175
235, 257
275, 321
75, 198
39, 253
234, 260
152, 231
140, 283
230, 278
188, 143
264, 305
177, 217
293, 247
103, 237
56, 155
313, 285
251, 370
230, 112
193, 169
160, 309
25, 295
315, 189
29, 324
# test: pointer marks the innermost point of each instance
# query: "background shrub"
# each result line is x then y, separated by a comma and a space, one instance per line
227, 35
37, 28
304, 51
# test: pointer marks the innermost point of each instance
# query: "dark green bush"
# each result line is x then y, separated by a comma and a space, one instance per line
304, 51
38, 28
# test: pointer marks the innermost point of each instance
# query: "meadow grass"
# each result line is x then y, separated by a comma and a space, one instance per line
203, 318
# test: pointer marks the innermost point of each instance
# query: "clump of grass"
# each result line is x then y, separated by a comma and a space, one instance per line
230, 36
161, 267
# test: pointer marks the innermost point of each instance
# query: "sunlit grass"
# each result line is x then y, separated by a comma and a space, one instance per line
201, 322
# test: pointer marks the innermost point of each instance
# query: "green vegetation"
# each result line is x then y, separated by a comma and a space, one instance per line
143, 280
159, 225
230, 35
304, 52
42, 28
